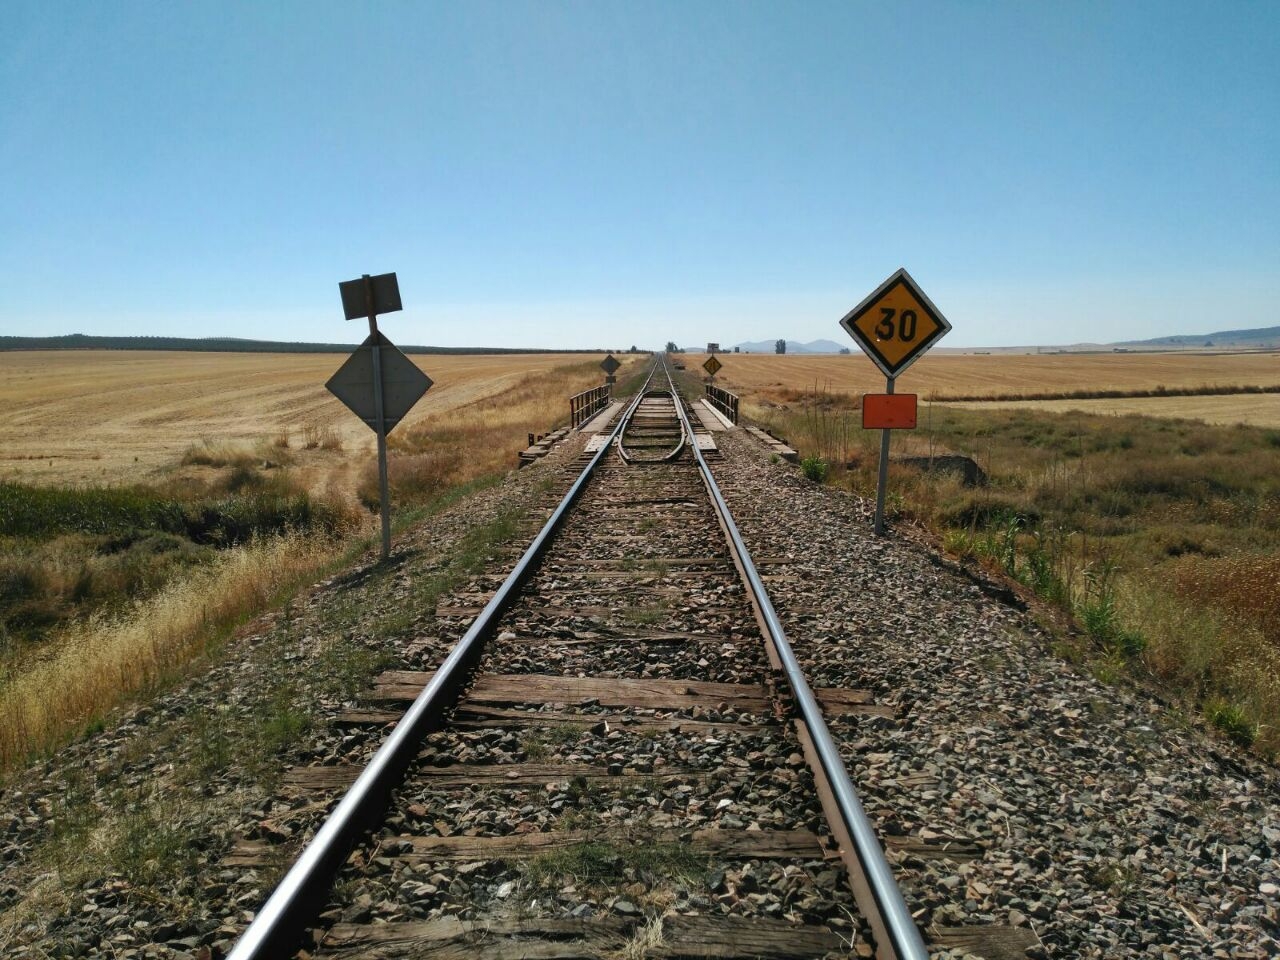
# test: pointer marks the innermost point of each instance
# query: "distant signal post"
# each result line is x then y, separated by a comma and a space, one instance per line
610, 367
377, 382
895, 326
712, 365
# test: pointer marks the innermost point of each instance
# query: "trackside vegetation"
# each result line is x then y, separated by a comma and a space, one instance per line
1160, 537
158, 833
109, 593
70, 552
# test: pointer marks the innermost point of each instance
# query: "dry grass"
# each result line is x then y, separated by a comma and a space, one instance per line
1246, 588
209, 453
776, 379
317, 436
98, 663
1160, 535
647, 937
481, 438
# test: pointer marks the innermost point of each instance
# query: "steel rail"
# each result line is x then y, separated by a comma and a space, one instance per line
666, 457
897, 936
277, 929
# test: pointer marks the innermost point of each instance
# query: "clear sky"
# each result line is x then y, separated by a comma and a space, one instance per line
602, 174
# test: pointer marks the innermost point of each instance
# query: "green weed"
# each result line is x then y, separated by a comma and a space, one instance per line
282, 720
815, 468
1232, 721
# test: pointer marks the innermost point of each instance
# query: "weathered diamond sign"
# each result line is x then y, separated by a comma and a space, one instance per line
377, 382
403, 384
712, 365
610, 365
896, 324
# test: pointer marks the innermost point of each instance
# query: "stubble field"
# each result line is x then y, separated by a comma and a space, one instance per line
108, 417
1257, 410
774, 379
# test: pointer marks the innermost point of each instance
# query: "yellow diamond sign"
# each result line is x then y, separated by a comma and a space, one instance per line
712, 365
896, 325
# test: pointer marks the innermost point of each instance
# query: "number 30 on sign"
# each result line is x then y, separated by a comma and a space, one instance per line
896, 324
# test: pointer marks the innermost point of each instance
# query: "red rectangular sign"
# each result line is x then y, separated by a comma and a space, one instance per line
889, 411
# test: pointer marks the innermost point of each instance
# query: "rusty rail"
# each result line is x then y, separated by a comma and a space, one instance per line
583, 406
277, 929
724, 401
874, 887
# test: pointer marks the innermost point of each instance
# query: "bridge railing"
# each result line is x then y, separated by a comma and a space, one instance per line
724, 401
583, 406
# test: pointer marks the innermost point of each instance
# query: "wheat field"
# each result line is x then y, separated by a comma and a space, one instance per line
107, 416
777, 378
1255, 410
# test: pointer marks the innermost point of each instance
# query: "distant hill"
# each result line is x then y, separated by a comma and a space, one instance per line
793, 346
1260, 337
80, 341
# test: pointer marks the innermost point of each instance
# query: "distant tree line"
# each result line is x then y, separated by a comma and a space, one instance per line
80, 341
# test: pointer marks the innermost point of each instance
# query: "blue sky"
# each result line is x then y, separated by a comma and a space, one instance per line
602, 174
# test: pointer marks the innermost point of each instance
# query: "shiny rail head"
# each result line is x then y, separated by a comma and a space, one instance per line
897, 936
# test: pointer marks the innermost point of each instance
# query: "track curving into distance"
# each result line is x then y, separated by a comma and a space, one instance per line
628, 688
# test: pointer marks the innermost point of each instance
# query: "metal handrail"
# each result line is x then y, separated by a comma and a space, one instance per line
296, 900
724, 401
898, 929
583, 406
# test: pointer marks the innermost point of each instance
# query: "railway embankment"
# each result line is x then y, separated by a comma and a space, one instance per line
1013, 789
1094, 815
117, 845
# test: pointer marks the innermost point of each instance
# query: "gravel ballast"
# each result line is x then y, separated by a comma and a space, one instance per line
1094, 816
1107, 825
113, 847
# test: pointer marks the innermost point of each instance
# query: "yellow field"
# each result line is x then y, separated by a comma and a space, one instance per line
120, 416
772, 376
1256, 410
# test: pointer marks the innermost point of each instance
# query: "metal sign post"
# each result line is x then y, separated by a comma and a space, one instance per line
895, 326
882, 480
378, 382
380, 420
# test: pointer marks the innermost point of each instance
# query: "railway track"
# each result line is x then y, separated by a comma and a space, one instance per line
621, 757
654, 431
